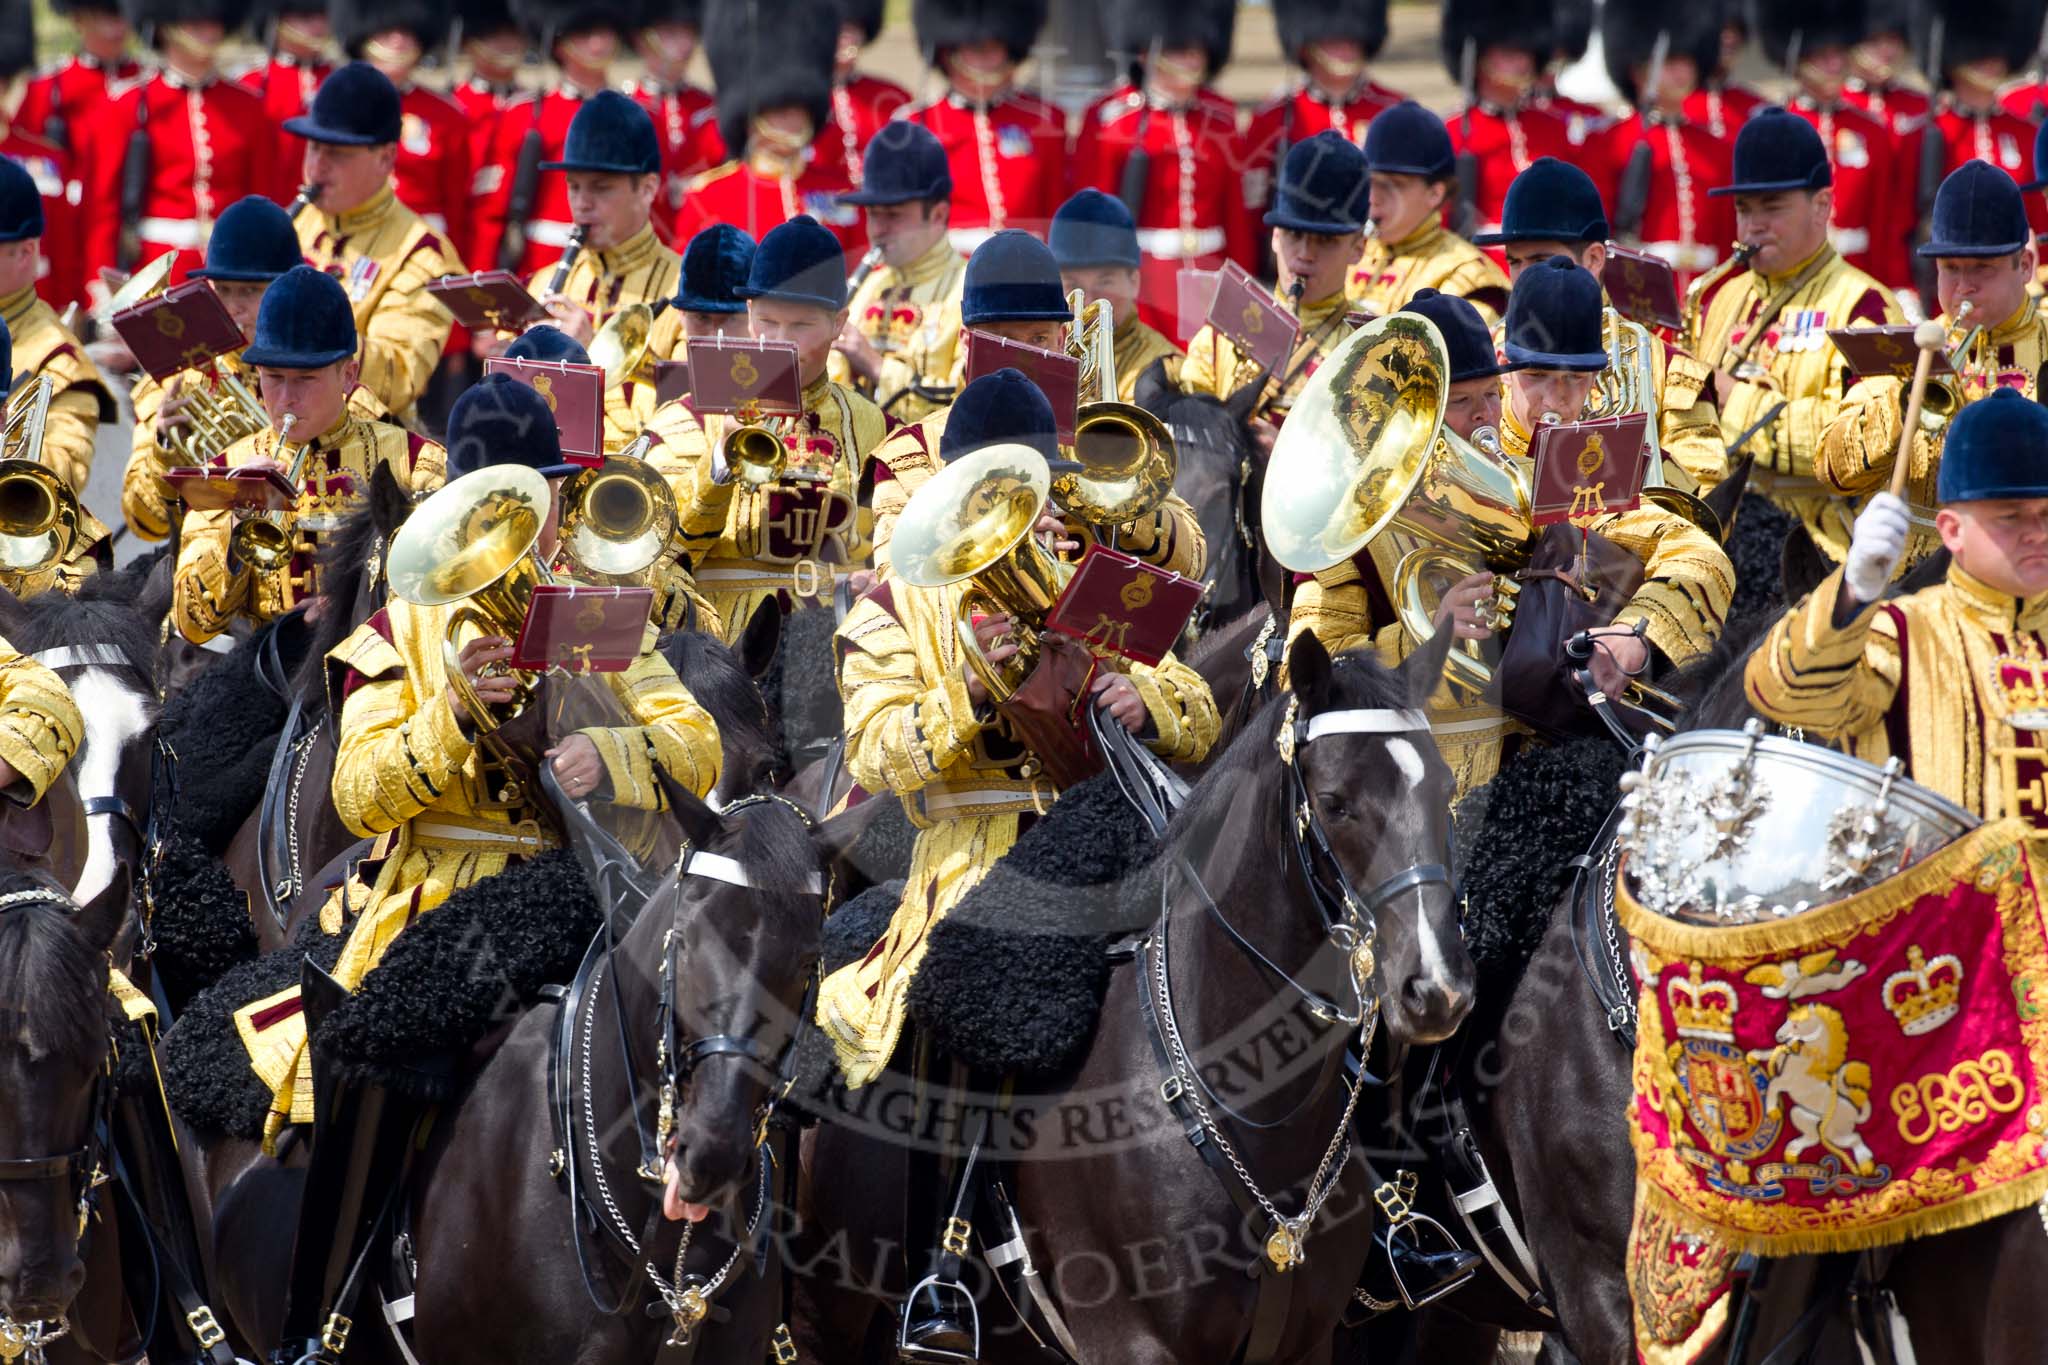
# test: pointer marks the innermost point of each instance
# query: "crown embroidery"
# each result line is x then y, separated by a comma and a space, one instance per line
2023, 679
1702, 1009
1927, 994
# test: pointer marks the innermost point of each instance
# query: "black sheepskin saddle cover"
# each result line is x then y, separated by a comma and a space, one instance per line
201, 919
1012, 980
444, 985
1519, 833
223, 728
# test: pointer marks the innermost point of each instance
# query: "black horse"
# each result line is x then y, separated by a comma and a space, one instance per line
1220, 473
1251, 912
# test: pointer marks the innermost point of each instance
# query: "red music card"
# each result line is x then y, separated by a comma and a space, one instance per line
744, 378
178, 329
210, 488
1589, 469
582, 628
488, 301
1642, 286
1194, 294
574, 394
1057, 374
1252, 319
1884, 351
1118, 605
671, 381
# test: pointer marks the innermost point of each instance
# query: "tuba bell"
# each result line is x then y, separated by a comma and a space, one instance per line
617, 519
1126, 454
472, 543
975, 519
1365, 459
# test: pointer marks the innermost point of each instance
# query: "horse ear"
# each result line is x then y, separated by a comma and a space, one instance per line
1308, 670
761, 638
1154, 389
390, 504
1243, 399
1424, 669
101, 919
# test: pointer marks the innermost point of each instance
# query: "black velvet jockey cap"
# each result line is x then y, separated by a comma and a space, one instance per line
1996, 448
253, 241
1978, 211
1324, 187
1552, 201
1002, 408
545, 342
501, 421
716, 265
1554, 317
1012, 277
1777, 150
21, 204
1092, 229
1408, 140
800, 261
903, 164
304, 323
1466, 339
357, 106
610, 133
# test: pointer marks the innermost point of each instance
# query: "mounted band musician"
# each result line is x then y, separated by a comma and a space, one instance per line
444, 781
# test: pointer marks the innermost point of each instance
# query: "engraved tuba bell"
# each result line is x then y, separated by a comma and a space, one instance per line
1365, 460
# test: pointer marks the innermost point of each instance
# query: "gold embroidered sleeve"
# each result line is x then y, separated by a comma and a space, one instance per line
209, 592
902, 728
1334, 607
145, 497
1206, 353
682, 456
428, 465
674, 732
1480, 283
1836, 683
1687, 581
1860, 446
1170, 538
74, 421
40, 727
404, 337
397, 756
1182, 708
1689, 424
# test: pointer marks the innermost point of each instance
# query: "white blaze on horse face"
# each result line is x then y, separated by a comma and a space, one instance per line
114, 715
1407, 760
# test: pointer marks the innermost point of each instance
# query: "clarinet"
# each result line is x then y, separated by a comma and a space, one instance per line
308, 195
568, 261
868, 265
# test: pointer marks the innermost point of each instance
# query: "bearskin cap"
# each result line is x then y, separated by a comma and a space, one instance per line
154, 14
480, 18
264, 13
689, 12
1629, 31
17, 39
355, 22
1493, 23
1980, 31
865, 13
1572, 29
1136, 26
1783, 31
942, 24
547, 20
769, 54
1903, 17
1302, 22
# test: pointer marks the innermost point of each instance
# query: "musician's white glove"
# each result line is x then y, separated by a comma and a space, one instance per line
1875, 548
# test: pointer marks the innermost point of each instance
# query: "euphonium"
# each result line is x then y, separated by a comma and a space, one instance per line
264, 541
617, 519
975, 519
620, 346
1126, 454
1365, 455
472, 543
1695, 306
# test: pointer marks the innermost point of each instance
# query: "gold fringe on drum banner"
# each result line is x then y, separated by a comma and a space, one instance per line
1867, 1072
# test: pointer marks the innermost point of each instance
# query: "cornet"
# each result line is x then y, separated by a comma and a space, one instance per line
264, 541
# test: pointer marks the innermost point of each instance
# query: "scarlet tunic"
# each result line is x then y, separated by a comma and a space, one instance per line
1872, 194
860, 106
1507, 142
481, 103
676, 111
1906, 113
1009, 161
754, 203
433, 173
2000, 137
1289, 118
285, 84
548, 225
66, 94
209, 145
1192, 212
1680, 222
1723, 109
60, 282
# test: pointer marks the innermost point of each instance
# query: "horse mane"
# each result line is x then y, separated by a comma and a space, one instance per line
43, 958
719, 682
1216, 638
1712, 684
776, 849
109, 609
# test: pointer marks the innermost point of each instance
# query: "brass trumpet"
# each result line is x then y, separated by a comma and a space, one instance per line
974, 520
1126, 454
1945, 397
618, 519
472, 543
264, 541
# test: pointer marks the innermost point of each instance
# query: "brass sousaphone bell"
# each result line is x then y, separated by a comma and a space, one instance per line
974, 519
1365, 459
472, 543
